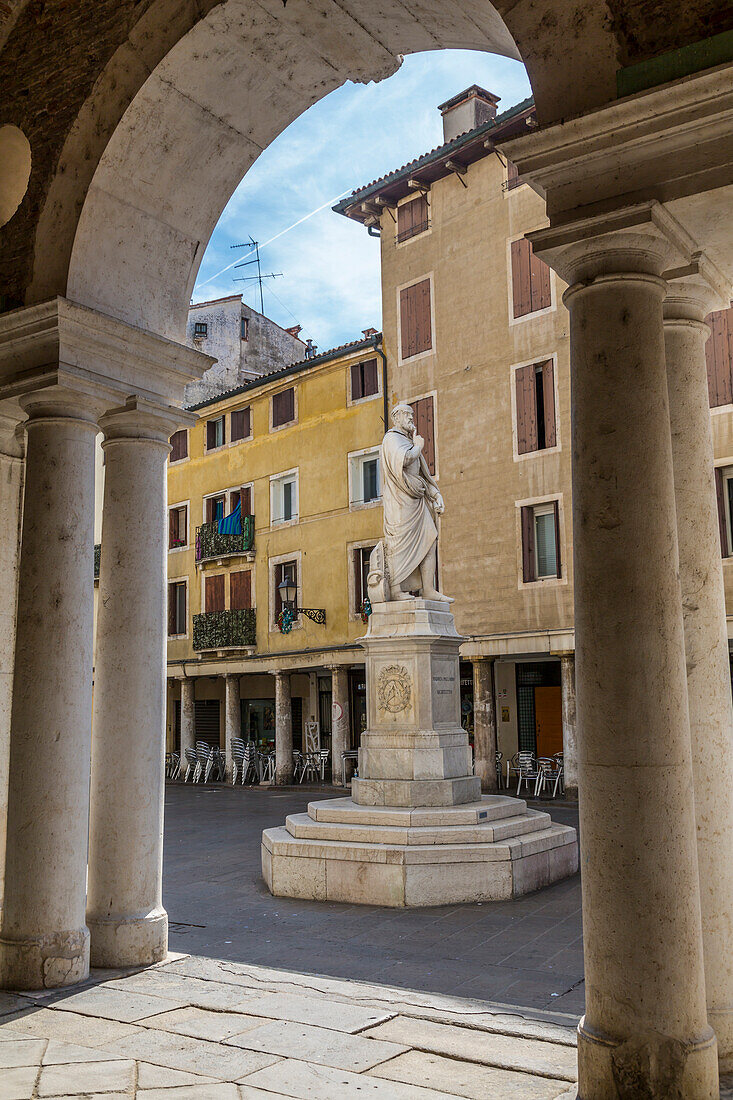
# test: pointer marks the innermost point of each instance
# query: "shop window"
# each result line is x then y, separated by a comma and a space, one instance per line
215, 508
364, 380
215, 433
177, 526
283, 408
530, 280
361, 571
284, 499
176, 608
365, 487
541, 541
424, 417
416, 335
240, 590
241, 424
412, 218
535, 404
179, 445
214, 593
719, 358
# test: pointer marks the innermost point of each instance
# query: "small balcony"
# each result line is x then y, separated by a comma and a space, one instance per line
234, 629
211, 546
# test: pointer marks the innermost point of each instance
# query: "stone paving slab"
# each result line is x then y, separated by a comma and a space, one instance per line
369, 1040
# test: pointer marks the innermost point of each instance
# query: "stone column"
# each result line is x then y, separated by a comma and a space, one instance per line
645, 1023
484, 724
12, 469
283, 730
569, 729
706, 639
188, 719
232, 716
44, 941
125, 915
339, 720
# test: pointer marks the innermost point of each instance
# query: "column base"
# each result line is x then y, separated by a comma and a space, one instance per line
722, 1024
132, 941
45, 962
647, 1064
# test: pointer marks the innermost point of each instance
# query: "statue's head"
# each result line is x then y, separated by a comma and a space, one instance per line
402, 417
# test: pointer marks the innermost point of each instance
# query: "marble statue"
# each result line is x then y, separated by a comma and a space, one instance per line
405, 562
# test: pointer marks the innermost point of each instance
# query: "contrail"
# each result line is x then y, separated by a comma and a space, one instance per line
282, 233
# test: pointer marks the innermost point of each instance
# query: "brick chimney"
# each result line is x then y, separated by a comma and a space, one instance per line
467, 110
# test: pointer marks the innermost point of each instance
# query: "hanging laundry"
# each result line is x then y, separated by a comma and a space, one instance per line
232, 524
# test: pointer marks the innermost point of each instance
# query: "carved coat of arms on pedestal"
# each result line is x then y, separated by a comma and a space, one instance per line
394, 689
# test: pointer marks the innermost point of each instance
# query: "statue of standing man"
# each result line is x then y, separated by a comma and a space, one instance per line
406, 561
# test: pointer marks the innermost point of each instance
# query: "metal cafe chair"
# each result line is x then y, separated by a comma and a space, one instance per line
499, 772
193, 766
250, 770
527, 770
237, 759
323, 758
266, 765
345, 757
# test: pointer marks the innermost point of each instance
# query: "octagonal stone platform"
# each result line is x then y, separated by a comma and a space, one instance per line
490, 850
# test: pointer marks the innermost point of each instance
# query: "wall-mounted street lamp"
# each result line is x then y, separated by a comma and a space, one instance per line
288, 596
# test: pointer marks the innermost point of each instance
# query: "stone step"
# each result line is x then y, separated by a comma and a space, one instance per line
346, 811
303, 826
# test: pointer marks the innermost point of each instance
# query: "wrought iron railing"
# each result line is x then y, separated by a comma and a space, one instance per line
413, 231
97, 553
225, 629
210, 544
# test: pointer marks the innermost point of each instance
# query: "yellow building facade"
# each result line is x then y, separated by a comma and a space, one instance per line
297, 450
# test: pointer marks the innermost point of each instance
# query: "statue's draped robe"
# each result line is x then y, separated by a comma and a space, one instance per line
409, 525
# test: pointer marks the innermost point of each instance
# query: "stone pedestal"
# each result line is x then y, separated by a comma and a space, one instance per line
417, 831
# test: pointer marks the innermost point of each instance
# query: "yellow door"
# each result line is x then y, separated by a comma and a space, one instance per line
548, 720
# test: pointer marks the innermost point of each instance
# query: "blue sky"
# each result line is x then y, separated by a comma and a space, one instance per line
330, 265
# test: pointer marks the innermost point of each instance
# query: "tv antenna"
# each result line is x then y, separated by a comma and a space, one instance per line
259, 277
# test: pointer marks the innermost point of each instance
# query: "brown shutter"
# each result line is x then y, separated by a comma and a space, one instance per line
357, 390
234, 499
541, 297
528, 569
246, 498
283, 408
210, 510
369, 370
422, 412
512, 175
548, 400
405, 322
210, 434
719, 357
278, 582
722, 525
424, 335
521, 287
404, 220
556, 505
527, 439
172, 608
172, 527
179, 445
358, 593
237, 425
214, 593
240, 590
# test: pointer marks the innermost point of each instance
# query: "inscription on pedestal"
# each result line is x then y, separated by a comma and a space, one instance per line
394, 689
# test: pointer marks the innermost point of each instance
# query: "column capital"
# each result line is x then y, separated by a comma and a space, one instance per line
695, 290
12, 436
141, 419
643, 240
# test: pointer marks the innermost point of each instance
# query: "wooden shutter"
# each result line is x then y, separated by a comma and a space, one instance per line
179, 445
240, 589
722, 525
210, 434
240, 424
210, 502
283, 408
172, 527
358, 587
357, 389
521, 289
371, 384
528, 556
214, 593
556, 505
424, 336
278, 582
539, 277
512, 175
172, 608
527, 438
548, 400
415, 319
422, 412
245, 495
719, 357
407, 324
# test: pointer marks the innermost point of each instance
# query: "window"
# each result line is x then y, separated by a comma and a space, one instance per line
361, 571
534, 388
215, 508
364, 380
245, 495
284, 498
240, 590
177, 526
512, 176
540, 541
719, 357
364, 477
200, 328
284, 570
176, 608
724, 494
215, 433
241, 425
530, 280
179, 445
412, 218
415, 321
244, 328
283, 408
214, 593
424, 418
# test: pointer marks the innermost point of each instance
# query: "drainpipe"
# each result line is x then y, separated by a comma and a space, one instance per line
373, 231
385, 398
